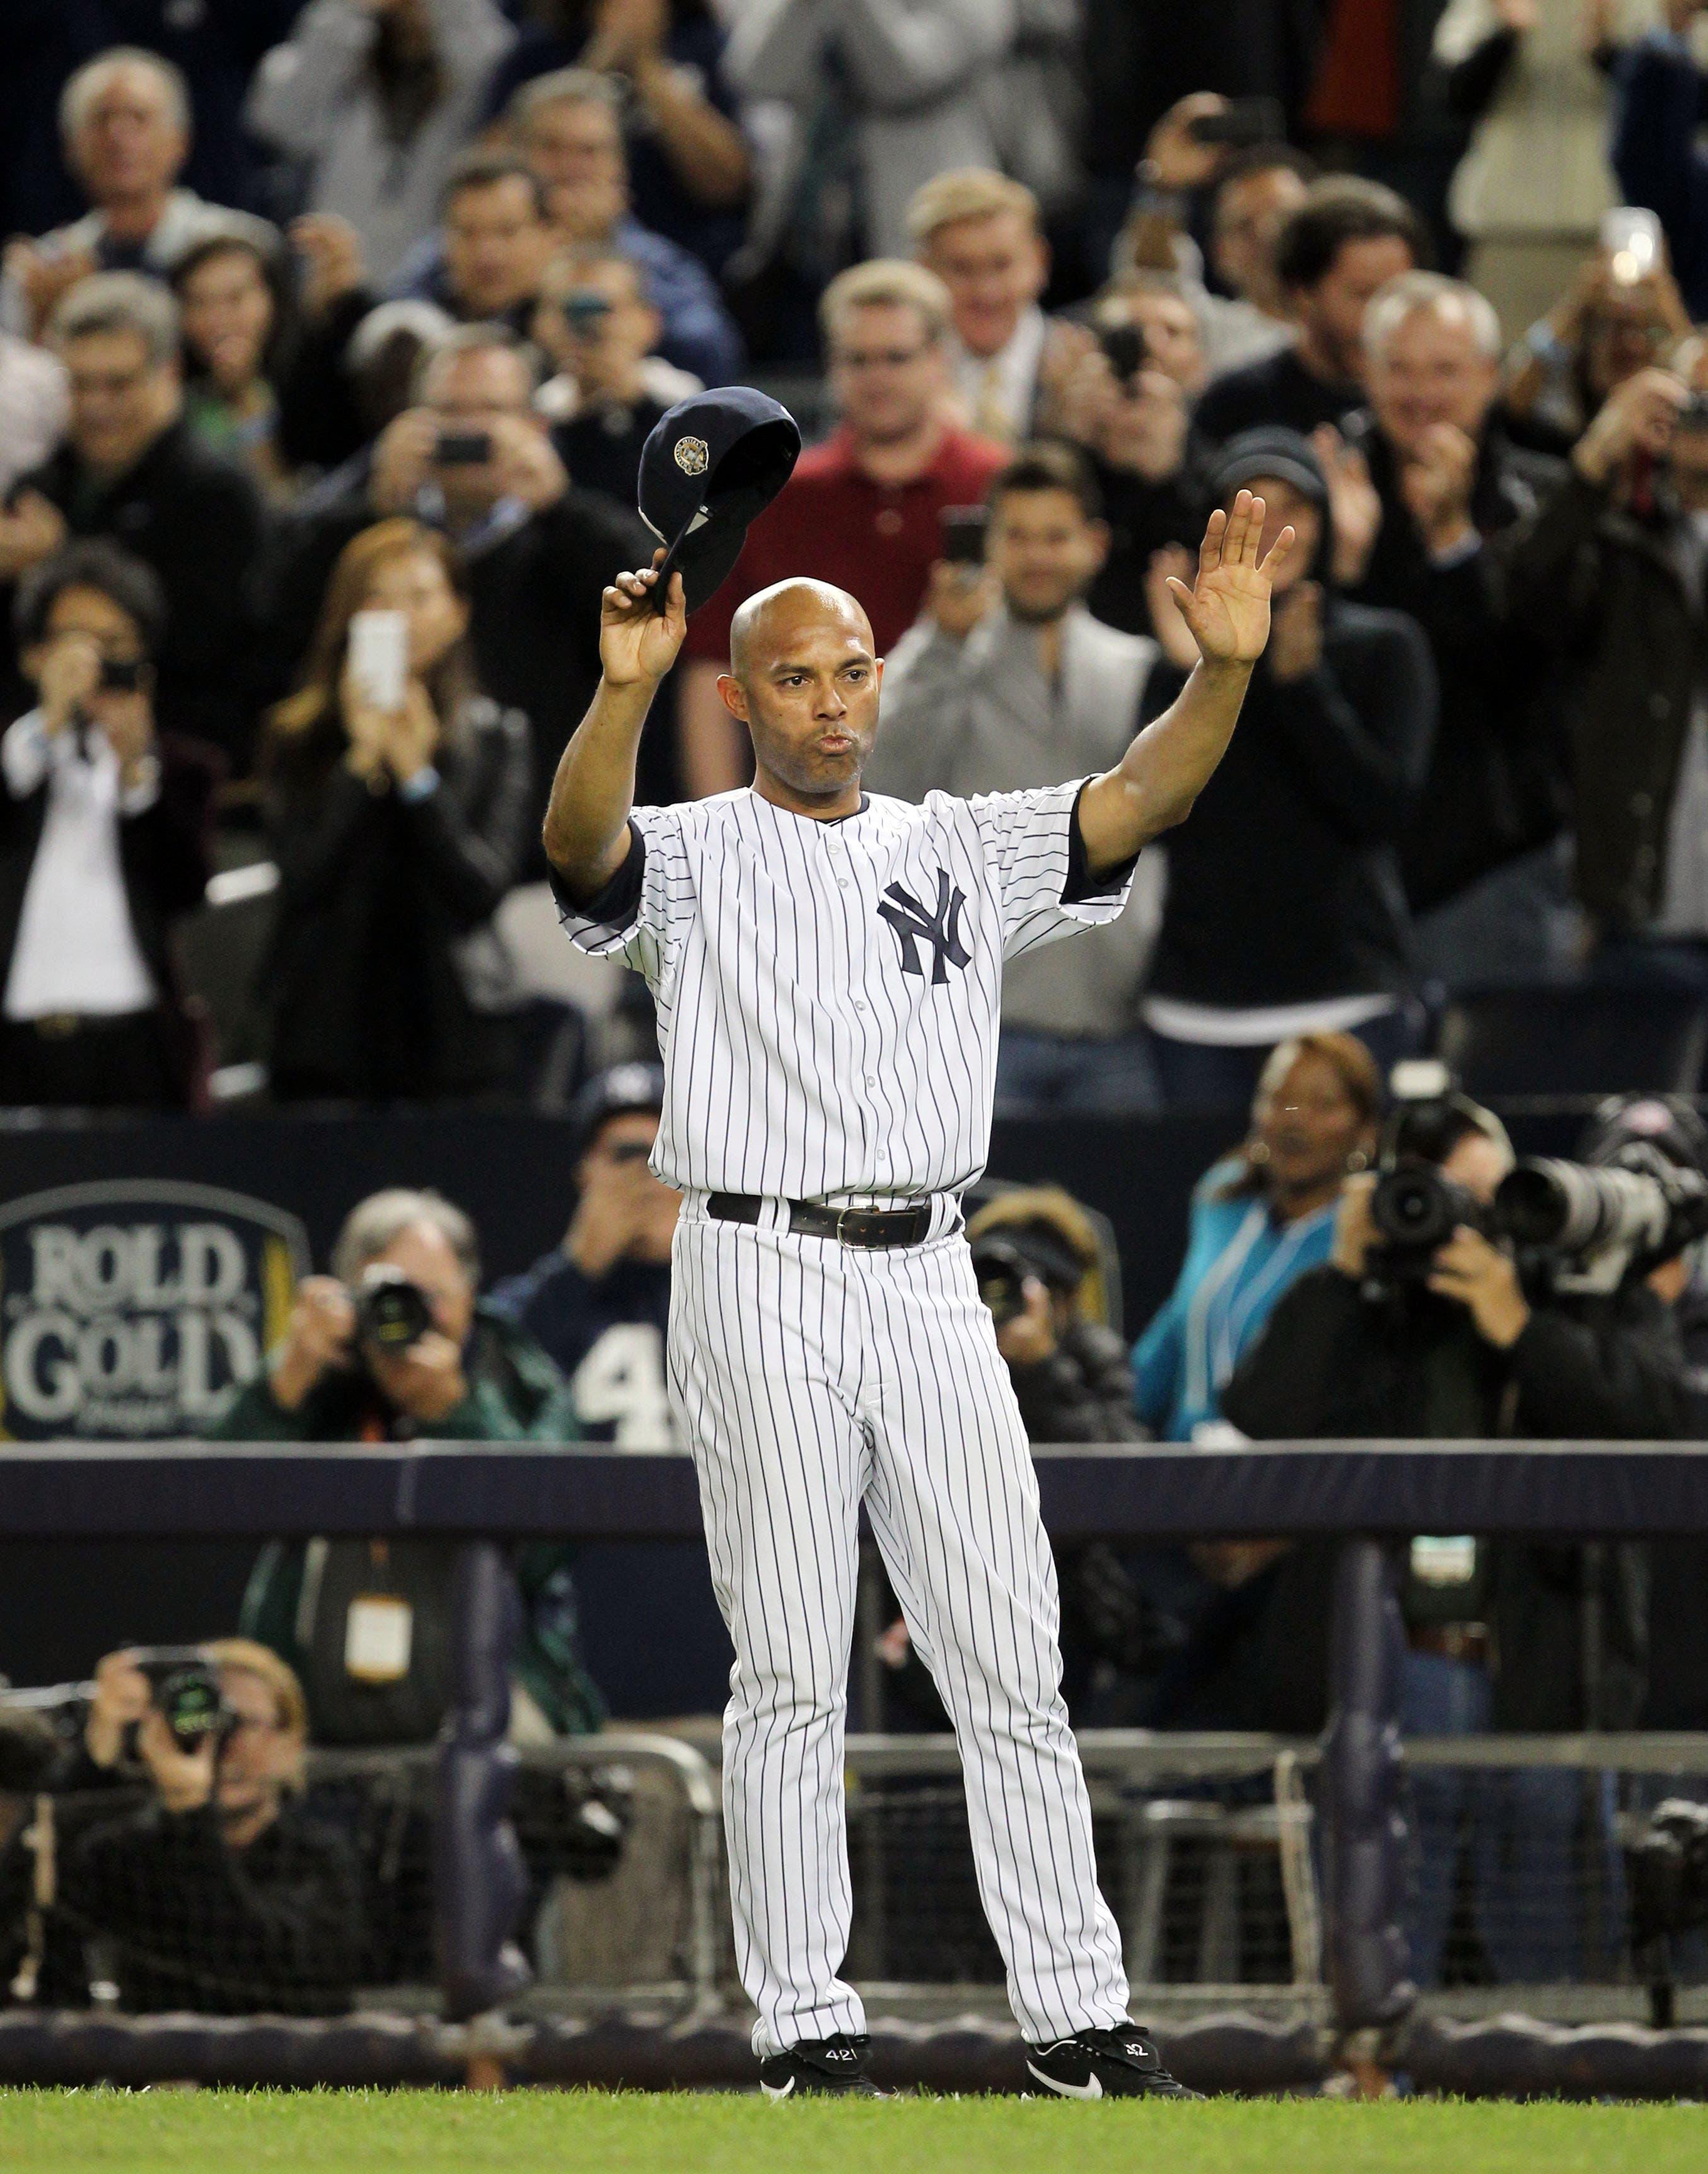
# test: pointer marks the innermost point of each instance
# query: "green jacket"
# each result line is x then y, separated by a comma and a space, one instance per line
516, 1394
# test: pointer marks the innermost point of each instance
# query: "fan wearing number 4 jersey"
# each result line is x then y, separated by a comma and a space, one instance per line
827, 970
599, 1303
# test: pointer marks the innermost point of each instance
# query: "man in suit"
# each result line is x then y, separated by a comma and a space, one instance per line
132, 470
981, 234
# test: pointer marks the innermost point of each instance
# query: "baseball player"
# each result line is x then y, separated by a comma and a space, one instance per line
827, 967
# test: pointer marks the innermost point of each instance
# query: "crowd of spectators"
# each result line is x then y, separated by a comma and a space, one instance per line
447, 262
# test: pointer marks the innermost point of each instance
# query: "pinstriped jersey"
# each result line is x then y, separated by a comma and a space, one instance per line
828, 992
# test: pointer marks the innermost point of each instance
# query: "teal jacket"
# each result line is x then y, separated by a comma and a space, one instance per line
1239, 1261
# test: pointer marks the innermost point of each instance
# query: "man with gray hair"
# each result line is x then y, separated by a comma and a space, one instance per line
130, 469
1425, 486
124, 128
395, 1344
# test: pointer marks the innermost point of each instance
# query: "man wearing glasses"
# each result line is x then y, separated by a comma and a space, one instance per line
130, 470
864, 510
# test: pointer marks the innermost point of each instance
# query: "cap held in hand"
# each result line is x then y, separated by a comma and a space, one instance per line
711, 464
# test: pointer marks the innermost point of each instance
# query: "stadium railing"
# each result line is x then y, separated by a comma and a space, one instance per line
1325, 1823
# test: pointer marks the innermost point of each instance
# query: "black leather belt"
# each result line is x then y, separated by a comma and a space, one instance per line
812, 1219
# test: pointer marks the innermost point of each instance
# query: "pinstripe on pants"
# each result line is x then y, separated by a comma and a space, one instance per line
808, 1374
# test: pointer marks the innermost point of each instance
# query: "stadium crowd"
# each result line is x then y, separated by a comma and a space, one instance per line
330, 335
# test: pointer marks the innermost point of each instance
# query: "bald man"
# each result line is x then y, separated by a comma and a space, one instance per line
827, 966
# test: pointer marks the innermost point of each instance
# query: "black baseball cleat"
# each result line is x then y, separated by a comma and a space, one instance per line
1121, 2063
831, 2067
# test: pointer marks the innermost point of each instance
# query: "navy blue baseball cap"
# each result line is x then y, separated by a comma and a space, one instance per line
618, 1092
711, 464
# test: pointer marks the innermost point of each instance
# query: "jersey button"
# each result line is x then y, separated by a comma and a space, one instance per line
859, 1007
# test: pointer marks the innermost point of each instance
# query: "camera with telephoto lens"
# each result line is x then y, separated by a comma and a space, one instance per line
1415, 1211
187, 1691
1002, 1270
1414, 1208
1590, 1225
392, 1313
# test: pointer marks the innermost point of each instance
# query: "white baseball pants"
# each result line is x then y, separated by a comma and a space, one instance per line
808, 1375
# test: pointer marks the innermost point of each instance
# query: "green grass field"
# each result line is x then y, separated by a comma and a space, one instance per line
99, 2132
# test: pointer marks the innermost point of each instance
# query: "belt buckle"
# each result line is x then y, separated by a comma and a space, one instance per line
842, 1215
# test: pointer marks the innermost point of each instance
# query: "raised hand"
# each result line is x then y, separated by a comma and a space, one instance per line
1227, 609
1354, 504
638, 644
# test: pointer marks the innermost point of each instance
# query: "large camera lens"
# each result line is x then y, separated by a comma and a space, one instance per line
392, 1313
192, 1704
1540, 1201
1414, 1207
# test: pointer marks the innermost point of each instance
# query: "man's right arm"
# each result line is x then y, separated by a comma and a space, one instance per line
587, 826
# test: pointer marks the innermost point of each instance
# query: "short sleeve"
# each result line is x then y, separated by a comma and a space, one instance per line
1028, 842
642, 913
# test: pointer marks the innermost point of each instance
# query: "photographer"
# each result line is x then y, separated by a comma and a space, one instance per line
221, 1895
103, 847
393, 1345
1608, 572
1441, 1335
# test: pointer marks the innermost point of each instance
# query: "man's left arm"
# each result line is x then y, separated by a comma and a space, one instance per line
1173, 758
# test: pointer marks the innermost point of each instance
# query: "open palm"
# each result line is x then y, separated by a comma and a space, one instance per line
1227, 607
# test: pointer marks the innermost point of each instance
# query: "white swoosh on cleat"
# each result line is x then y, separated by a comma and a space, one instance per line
774, 2091
1094, 2090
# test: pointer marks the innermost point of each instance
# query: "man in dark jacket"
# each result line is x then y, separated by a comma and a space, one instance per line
1427, 491
131, 471
103, 846
1610, 570
1498, 1634
473, 458
599, 1304
367, 1624
1284, 913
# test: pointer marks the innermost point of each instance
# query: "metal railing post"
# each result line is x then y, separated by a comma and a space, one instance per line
478, 1880
1364, 1824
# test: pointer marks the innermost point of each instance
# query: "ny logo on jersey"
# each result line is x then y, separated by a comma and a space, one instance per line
913, 925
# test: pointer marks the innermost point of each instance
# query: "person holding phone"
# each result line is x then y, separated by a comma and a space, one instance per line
471, 456
599, 326
103, 846
397, 796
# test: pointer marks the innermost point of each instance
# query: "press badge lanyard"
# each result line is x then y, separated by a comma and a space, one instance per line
379, 1630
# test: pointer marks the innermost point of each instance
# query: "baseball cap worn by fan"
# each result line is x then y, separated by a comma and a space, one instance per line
710, 466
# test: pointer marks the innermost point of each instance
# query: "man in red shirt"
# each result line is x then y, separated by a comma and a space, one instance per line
863, 510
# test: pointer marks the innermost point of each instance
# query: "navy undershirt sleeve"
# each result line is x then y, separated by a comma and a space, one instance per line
1081, 884
613, 907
